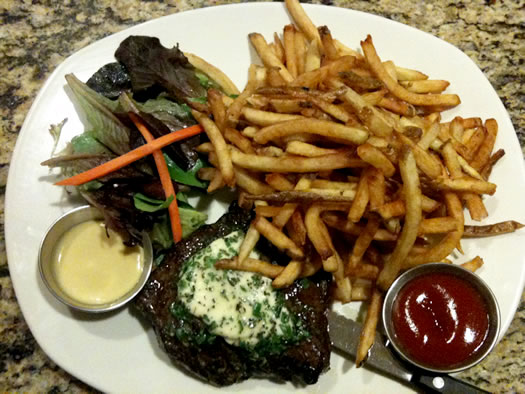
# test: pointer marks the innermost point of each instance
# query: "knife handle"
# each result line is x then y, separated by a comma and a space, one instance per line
445, 384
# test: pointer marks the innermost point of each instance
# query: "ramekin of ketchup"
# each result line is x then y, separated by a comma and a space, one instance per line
441, 317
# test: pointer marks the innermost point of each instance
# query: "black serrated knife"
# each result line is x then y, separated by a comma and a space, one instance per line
344, 334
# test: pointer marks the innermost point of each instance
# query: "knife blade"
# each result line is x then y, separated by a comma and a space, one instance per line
345, 333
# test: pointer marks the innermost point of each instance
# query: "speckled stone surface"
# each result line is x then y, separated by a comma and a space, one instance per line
37, 35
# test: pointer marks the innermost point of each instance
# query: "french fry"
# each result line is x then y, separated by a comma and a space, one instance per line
289, 50
367, 83
376, 188
369, 115
439, 225
267, 211
268, 57
305, 149
300, 52
295, 163
343, 283
483, 154
279, 182
346, 51
468, 169
218, 109
446, 100
464, 184
473, 201
256, 76
313, 57
206, 147
265, 118
429, 136
311, 266
332, 185
368, 332
425, 86
213, 72
278, 48
363, 271
249, 131
274, 78
237, 139
250, 183
361, 245
346, 226
252, 265
285, 213
475, 205
278, 238
216, 182
397, 208
410, 177
248, 243
303, 21
361, 290
446, 245
361, 199
296, 228
289, 274
406, 74
206, 173
319, 236
474, 143
330, 51
221, 148
397, 106
474, 264
491, 230
457, 130
313, 78
376, 158
307, 196
425, 162
487, 168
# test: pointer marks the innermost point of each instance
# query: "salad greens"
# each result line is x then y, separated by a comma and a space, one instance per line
160, 86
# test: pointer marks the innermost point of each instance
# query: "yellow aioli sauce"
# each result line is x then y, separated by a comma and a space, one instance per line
93, 268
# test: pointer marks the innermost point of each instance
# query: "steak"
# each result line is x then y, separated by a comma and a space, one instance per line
217, 361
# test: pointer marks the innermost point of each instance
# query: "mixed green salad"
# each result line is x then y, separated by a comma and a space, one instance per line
161, 87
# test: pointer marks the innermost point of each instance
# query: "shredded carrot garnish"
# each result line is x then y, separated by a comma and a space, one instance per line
130, 157
165, 179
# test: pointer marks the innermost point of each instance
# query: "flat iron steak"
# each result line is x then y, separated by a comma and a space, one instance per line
299, 352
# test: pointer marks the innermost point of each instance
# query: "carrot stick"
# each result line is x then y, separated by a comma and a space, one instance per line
128, 158
165, 179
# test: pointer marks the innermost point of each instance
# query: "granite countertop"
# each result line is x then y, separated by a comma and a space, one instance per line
36, 36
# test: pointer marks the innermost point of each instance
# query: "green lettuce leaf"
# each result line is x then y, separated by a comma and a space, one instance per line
150, 64
185, 177
148, 204
98, 110
190, 218
87, 143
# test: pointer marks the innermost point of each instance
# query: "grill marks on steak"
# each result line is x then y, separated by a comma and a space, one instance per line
220, 363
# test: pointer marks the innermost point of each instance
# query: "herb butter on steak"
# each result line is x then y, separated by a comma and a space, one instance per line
227, 326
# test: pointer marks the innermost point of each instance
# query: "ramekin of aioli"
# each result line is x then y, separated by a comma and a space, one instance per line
87, 266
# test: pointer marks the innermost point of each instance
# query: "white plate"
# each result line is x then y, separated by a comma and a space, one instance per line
116, 352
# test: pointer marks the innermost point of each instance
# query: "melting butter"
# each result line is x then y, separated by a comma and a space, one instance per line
242, 307
94, 268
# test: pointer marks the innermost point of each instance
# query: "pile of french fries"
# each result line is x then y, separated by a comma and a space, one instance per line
347, 163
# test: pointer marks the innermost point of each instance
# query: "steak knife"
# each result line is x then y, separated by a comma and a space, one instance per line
344, 334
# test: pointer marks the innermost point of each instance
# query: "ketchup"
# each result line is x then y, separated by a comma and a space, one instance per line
440, 320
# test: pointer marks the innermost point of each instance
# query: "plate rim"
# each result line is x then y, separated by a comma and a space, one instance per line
79, 53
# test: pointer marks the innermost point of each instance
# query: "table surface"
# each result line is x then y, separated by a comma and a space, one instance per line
36, 36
